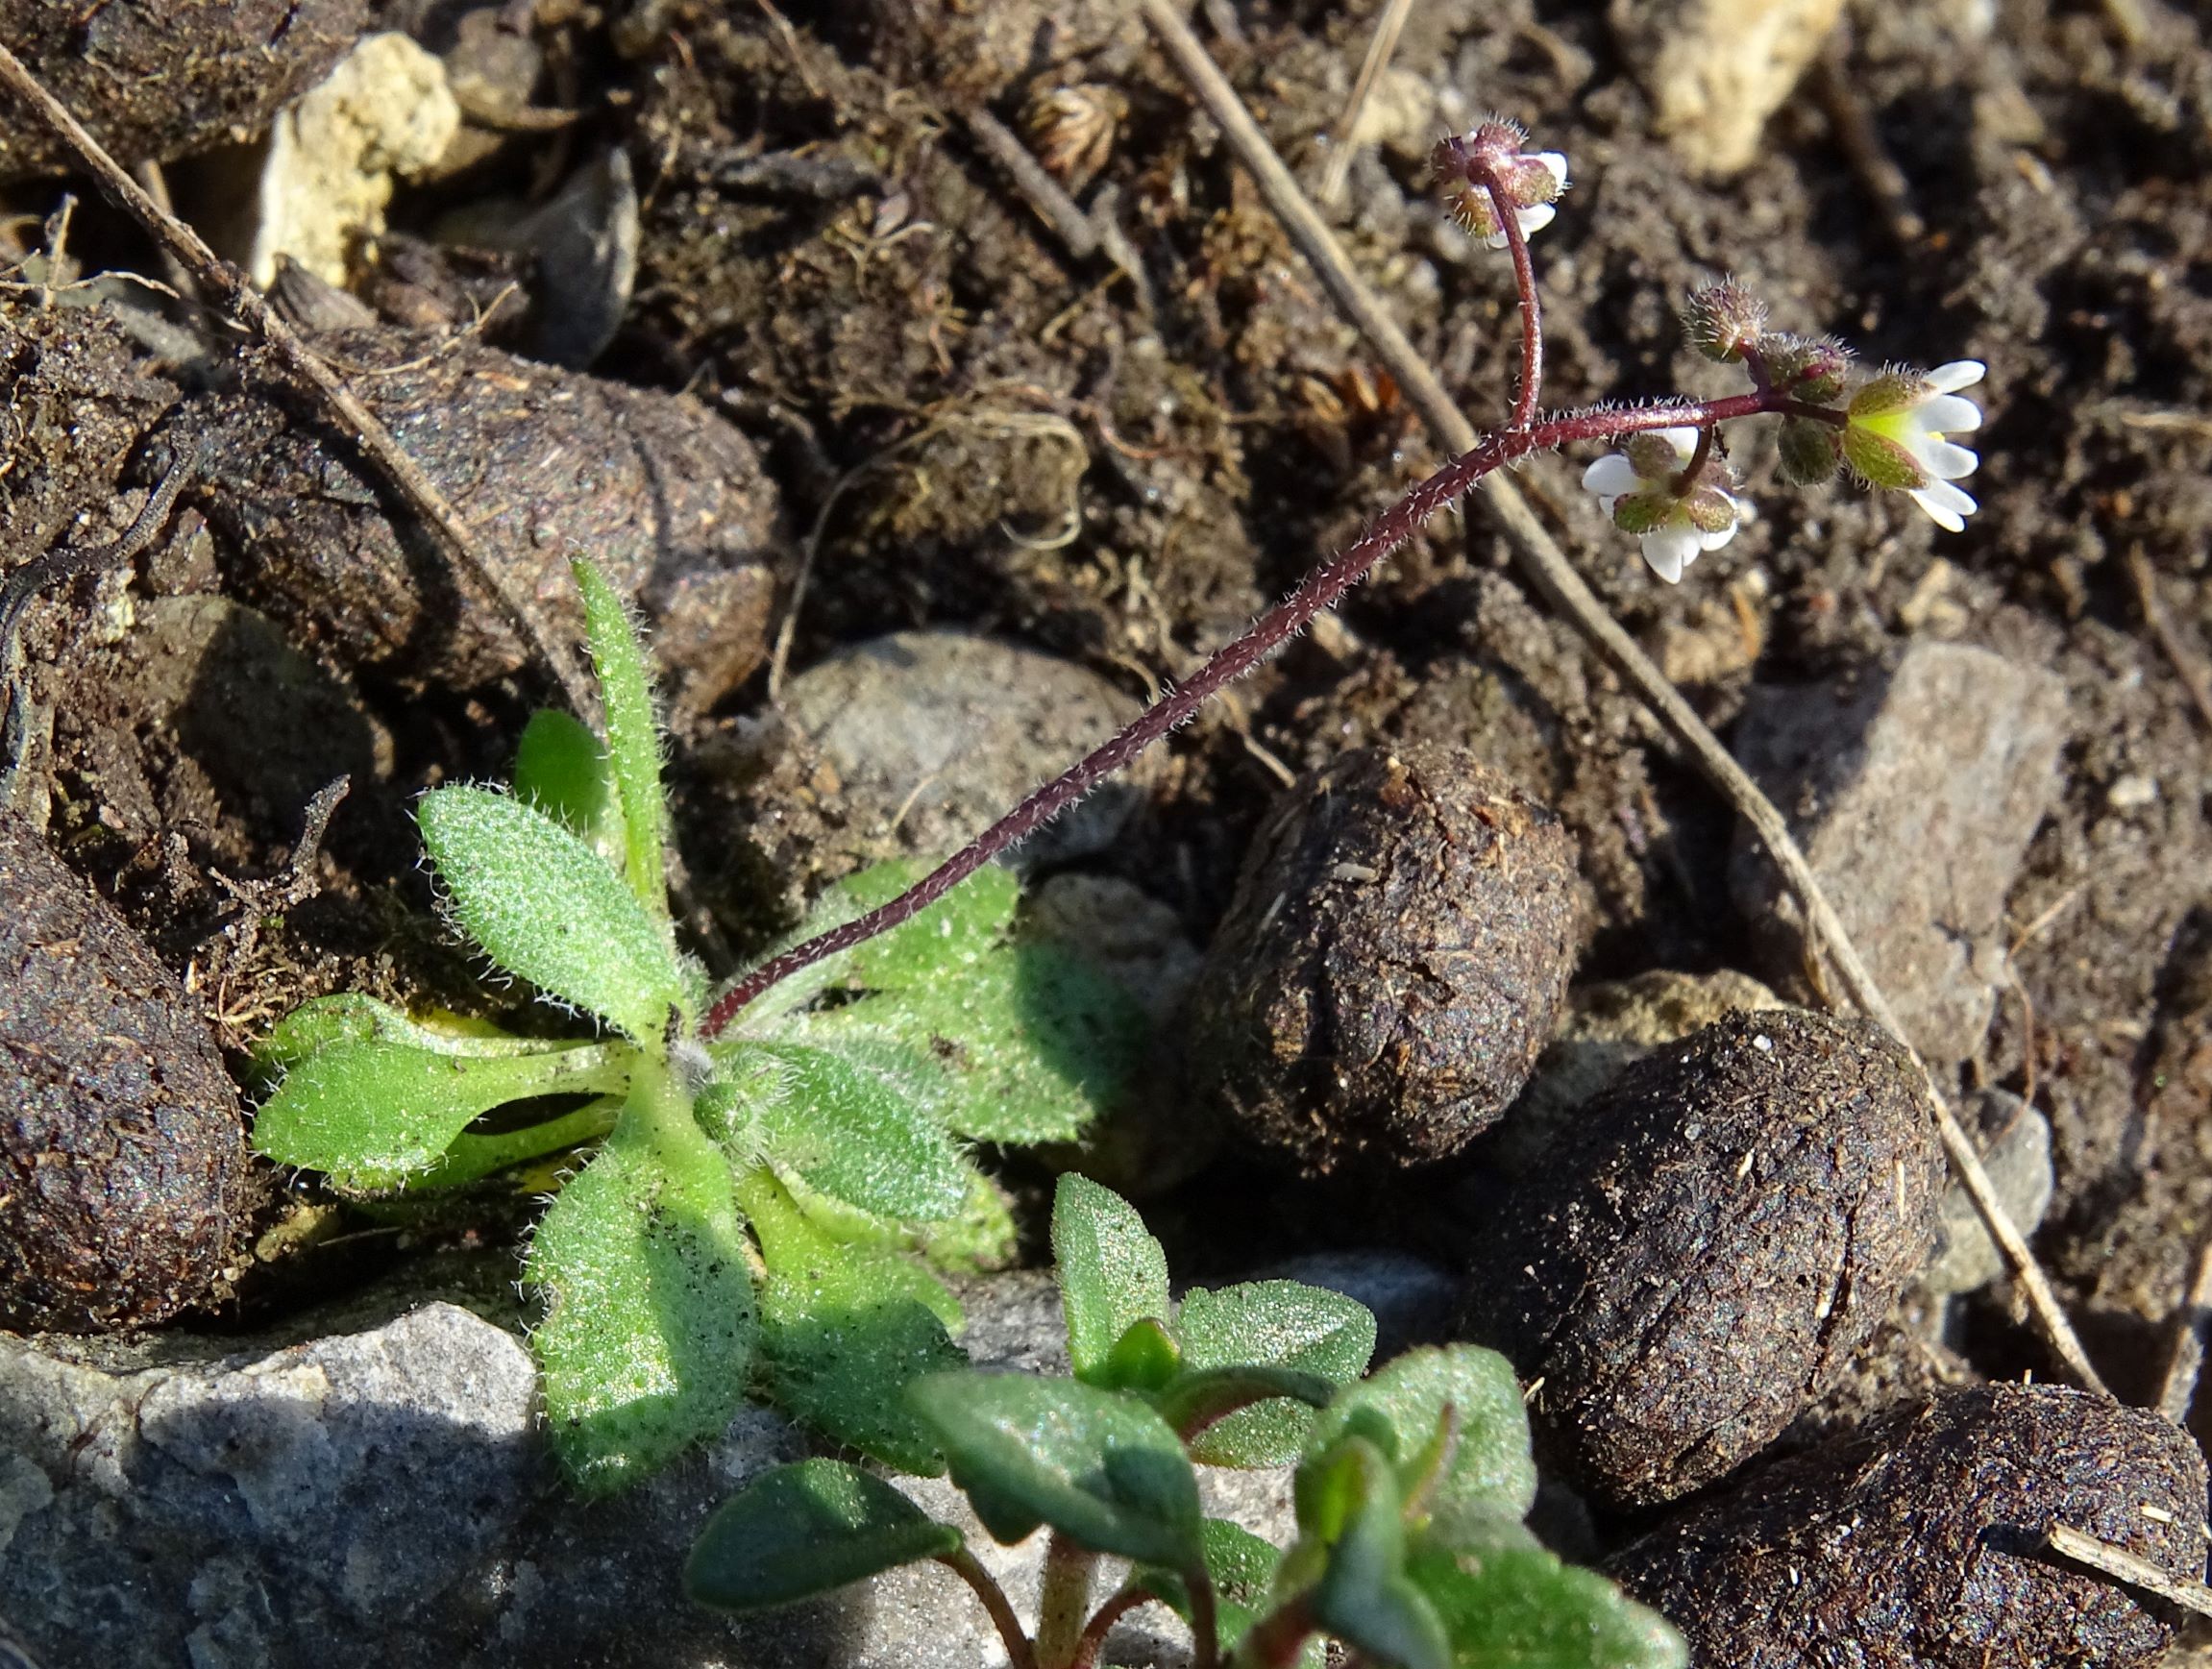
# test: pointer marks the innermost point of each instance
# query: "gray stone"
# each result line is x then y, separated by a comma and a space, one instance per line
2015, 1141
1914, 791
935, 734
384, 1500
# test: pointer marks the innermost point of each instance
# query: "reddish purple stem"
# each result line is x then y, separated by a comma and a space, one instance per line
1321, 589
1532, 310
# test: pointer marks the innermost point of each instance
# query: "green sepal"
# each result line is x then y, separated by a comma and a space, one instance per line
1645, 512
372, 1114
1276, 1325
1653, 456
1507, 1602
845, 1328
562, 769
1489, 1469
547, 909
853, 1113
633, 737
1887, 394
1880, 461
1709, 509
801, 1531
1807, 452
1112, 1273
1101, 1468
648, 1341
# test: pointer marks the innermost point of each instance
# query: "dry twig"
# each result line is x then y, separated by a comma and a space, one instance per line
2185, 1356
235, 293
1388, 28
1548, 568
2190, 673
2132, 1568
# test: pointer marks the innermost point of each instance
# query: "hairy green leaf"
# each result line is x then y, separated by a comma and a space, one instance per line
941, 943
1283, 1324
844, 1329
1101, 1468
1488, 1468
650, 1327
562, 769
1200, 1401
349, 1017
370, 1114
633, 737
1112, 1272
547, 909
1507, 1602
853, 1115
1364, 1596
799, 1531
1036, 1040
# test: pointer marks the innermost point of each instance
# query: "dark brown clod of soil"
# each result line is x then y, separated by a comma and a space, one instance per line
75, 399
544, 464
1697, 1260
123, 1167
1918, 1543
154, 79
1393, 963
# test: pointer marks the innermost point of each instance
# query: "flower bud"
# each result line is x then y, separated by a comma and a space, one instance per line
1807, 367
1809, 451
1723, 320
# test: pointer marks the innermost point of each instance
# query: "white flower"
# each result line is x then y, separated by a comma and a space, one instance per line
1896, 437
1642, 489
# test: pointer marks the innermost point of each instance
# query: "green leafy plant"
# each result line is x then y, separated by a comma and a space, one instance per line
1410, 1489
759, 1184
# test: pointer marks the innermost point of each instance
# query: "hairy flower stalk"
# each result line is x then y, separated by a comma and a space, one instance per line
1669, 483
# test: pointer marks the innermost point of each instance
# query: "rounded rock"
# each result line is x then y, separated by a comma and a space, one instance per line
1393, 960
1699, 1258
1919, 1541
124, 1176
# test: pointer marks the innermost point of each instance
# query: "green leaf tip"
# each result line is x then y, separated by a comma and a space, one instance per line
632, 736
800, 1531
1101, 1468
1112, 1273
547, 909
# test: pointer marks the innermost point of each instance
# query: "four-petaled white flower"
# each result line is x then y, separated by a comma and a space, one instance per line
1642, 489
1897, 434
1531, 181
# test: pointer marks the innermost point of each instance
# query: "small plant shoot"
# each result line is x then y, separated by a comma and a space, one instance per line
743, 1222
1411, 1487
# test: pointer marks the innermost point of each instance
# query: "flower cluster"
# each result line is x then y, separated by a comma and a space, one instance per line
1893, 432
1494, 157
1659, 488
1670, 485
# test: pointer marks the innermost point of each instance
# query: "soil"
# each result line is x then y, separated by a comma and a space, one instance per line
968, 423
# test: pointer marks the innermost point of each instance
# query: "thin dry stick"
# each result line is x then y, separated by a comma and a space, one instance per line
230, 290
1547, 567
2117, 1562
1388, 28
2185, 1359
2192, 675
